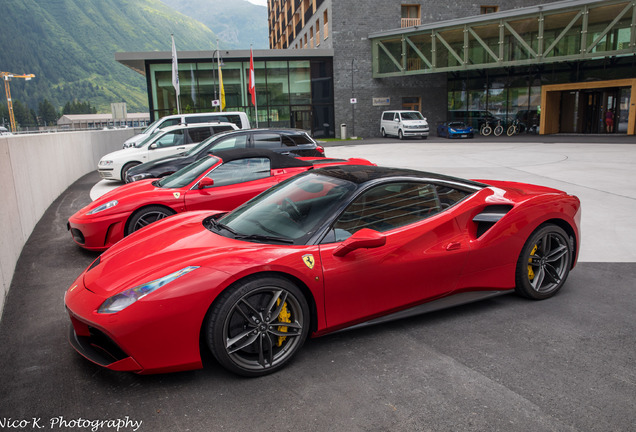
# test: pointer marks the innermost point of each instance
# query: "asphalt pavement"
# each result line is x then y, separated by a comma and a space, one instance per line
504, 364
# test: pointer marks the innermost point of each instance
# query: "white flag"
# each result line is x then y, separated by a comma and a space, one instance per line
175, 68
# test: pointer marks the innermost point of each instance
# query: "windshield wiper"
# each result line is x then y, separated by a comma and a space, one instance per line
262, 237
218, 226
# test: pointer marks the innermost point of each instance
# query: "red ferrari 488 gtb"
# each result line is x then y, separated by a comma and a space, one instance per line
328, 249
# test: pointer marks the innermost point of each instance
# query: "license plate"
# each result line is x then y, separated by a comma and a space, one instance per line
464, 136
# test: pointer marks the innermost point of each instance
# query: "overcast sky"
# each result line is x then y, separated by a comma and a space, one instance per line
259, 2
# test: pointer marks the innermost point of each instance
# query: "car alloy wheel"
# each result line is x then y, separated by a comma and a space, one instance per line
256, 326
146, 216
544, 263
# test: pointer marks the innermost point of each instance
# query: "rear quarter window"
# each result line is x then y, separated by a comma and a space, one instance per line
267, 141
387, 116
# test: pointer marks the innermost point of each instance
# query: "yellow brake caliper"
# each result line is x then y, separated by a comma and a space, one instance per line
283, 317
530, 271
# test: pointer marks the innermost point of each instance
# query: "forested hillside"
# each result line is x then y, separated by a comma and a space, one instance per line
237, 22
70, 46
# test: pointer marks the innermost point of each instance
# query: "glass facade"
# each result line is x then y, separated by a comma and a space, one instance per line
515, 93
289, 93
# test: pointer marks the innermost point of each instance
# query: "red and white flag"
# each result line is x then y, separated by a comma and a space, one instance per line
252, 82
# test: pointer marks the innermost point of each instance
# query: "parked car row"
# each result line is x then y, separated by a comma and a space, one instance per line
247, 251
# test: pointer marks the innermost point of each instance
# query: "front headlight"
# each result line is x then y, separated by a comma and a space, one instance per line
141, 176
105, 163
125, 298
103, 207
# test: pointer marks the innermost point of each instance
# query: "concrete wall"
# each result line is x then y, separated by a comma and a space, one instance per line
34, 171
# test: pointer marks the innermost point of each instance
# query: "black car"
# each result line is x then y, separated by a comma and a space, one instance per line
294, 142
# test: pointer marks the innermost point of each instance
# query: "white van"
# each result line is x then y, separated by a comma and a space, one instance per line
237, 117
403, 124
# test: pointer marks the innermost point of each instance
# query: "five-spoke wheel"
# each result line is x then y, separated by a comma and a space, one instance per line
256, 327
146, 216
544, 263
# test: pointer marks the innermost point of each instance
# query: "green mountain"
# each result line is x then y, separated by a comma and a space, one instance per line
70, 46
237, 22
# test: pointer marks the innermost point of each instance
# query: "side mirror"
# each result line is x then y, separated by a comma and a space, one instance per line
365, 238
205, 182
152, 146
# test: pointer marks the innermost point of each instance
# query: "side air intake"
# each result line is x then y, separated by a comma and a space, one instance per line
489, 217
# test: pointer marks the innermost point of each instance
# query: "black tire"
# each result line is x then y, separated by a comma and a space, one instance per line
257, 325
125, 169
145, 216
544, 263
400, 134
383, 133
498, 130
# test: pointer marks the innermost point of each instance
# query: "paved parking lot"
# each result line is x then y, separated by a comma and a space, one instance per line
508, 364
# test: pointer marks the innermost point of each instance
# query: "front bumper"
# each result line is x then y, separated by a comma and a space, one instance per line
98, 233
415, 132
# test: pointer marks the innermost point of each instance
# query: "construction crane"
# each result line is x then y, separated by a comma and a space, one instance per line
7, 76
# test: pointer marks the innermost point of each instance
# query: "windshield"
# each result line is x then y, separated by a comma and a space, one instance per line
200, 146
188, 174
150, 126
150, 137
290, 212
412, 115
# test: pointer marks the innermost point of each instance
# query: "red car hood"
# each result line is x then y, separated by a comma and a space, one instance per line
158, 250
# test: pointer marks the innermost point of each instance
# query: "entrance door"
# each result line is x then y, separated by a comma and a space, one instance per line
302, 120
412, 103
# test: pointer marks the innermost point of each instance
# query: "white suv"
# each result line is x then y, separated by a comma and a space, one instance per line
403, 124
169, 142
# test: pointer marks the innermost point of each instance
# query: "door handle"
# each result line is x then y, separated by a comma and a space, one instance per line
453, 246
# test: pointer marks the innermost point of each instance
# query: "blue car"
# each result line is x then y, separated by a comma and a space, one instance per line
455, 129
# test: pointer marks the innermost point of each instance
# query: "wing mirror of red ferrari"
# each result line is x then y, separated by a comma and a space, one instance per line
206, 182
364, 239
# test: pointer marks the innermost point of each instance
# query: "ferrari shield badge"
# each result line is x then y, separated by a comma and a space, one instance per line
309, 260
176, 194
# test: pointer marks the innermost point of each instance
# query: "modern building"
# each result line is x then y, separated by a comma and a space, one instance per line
557, 67
571, 61
293, 89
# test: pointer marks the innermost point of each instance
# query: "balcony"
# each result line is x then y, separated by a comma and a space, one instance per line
410, 22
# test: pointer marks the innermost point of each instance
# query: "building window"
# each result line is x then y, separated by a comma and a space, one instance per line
411, 15
317, 32
325, 20
311, 37
489, 9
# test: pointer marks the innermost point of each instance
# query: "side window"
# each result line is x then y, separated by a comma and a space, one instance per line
299, 139
266, 140
397, 117
386, 207
387, 116
237, 141
287, 141
170, 139
198, 134
240, 171
200, 119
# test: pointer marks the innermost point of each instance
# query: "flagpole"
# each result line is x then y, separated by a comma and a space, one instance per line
253, 73
218, 64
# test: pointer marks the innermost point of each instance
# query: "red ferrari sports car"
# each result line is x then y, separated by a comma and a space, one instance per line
328, 249
219, 182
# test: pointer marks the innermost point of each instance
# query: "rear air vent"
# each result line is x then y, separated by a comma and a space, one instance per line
489, 217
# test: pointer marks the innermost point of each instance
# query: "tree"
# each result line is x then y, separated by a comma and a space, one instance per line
77, 107
47, 113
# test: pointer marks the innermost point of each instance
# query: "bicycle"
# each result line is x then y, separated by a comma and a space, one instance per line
485, 129
514, 128
498, 129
